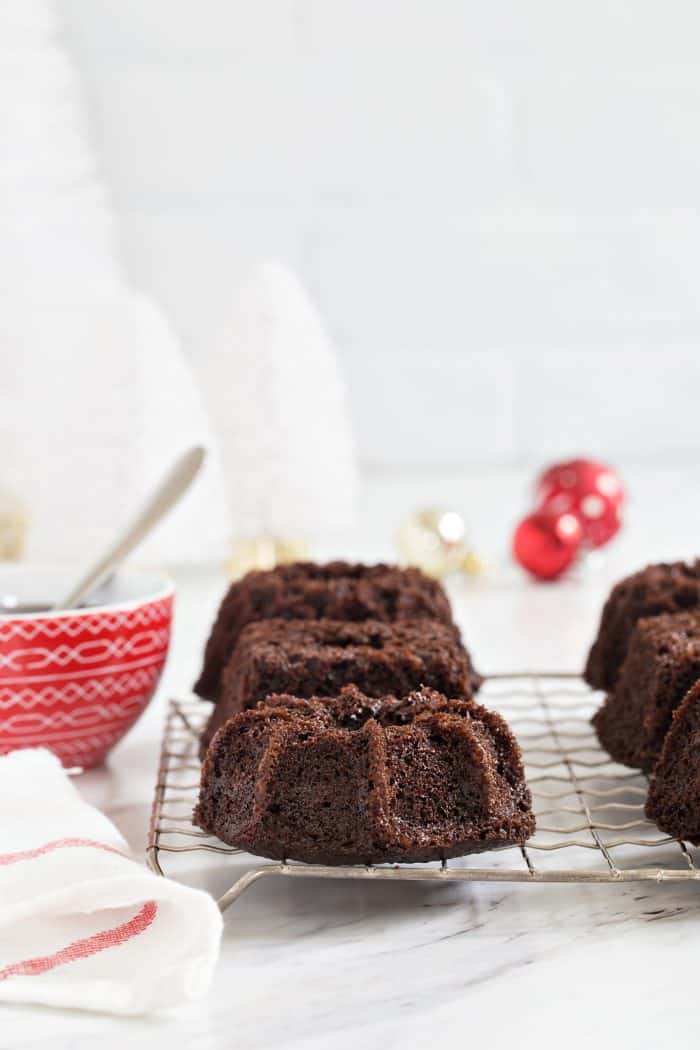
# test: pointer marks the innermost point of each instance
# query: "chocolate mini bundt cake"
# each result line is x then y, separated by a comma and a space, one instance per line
662, 662
356, 780
664, 588
306, 658
674, 792
306, 591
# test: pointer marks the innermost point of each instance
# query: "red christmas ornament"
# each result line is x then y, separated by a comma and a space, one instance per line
546, 543
589, 490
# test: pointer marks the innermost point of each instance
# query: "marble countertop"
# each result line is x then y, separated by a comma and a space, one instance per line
337, 965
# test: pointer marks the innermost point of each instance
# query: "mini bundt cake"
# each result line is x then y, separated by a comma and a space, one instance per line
662, 662
674, 792
306, 591
356, 780
306, 658
664, 588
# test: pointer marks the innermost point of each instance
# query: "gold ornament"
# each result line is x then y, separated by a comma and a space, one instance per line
436, 541
14, 523
264, 552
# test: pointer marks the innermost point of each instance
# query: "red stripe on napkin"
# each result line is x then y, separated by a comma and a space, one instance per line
49, 847
83, 948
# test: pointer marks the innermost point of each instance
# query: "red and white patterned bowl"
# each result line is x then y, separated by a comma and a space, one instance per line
76, 681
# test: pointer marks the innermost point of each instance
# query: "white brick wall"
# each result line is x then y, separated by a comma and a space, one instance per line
497, 206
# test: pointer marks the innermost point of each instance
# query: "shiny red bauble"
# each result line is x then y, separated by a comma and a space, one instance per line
546, 543
587, 489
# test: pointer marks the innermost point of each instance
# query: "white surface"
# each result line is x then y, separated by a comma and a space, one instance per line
336, 966
495, 206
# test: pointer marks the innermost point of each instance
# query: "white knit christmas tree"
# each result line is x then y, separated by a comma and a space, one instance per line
97, 399
274, 389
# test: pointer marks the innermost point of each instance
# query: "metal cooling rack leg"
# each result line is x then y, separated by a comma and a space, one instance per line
152, 860
241, 885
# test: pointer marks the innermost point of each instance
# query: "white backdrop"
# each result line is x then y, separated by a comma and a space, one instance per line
496, 206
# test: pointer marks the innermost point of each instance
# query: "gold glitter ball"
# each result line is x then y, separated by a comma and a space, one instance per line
436, 541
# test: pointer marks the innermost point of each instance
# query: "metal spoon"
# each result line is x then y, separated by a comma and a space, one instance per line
171, 488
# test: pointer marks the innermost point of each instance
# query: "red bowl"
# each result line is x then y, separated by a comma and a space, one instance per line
76, 681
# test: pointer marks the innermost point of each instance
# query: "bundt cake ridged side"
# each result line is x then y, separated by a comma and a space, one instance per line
662, 662
354, 780
674, 791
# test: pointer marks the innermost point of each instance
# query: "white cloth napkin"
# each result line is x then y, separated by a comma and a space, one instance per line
81, 923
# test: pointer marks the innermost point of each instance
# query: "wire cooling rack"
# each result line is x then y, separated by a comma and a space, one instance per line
590, 811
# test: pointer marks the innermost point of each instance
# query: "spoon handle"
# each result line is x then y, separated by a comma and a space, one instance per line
171, 488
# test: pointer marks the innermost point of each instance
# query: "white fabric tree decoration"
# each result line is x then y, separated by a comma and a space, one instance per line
273, 386
110, 409
97, 399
